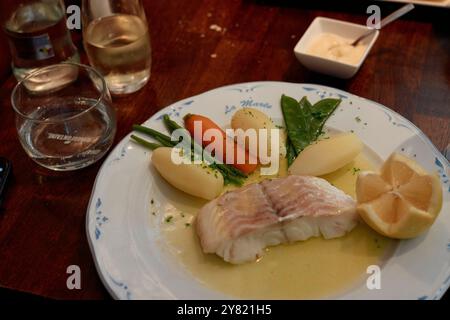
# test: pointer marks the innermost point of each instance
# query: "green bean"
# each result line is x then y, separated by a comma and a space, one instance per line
163, 139
170, 124
144, 143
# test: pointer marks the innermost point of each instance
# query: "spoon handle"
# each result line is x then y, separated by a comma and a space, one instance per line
396, 14
392, 17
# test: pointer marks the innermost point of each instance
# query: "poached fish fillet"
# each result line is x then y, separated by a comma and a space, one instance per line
239, 225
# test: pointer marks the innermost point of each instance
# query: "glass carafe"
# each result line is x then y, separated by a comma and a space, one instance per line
37, 34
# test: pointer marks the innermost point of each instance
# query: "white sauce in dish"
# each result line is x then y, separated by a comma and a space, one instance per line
333, 47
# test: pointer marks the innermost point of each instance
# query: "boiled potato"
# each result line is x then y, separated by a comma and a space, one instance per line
249, 118
195, 179
327, 156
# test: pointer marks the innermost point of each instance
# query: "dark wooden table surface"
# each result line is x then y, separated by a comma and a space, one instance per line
42, 221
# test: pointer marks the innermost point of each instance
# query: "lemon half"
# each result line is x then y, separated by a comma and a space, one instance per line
402, 201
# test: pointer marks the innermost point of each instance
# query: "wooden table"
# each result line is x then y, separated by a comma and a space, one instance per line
42, 222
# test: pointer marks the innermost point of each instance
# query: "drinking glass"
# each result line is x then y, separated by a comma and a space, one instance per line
64, 116
117, 42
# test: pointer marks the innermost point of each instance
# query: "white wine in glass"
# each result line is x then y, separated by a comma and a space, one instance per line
117, 41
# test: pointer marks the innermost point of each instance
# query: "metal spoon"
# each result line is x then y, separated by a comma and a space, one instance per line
390, 18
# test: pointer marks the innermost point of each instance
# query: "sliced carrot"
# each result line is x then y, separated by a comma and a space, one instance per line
207, 124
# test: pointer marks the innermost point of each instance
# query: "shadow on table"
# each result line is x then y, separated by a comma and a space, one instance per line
299, 74
7, 295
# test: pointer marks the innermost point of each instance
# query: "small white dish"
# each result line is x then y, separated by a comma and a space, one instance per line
344, 29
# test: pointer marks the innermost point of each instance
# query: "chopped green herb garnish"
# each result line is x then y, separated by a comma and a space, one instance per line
356, 170
187, 225
358, 119
169, 219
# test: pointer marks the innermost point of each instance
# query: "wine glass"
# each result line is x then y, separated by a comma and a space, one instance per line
117, 42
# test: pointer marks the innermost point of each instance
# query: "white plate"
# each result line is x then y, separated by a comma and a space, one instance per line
435, 3
129, 251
